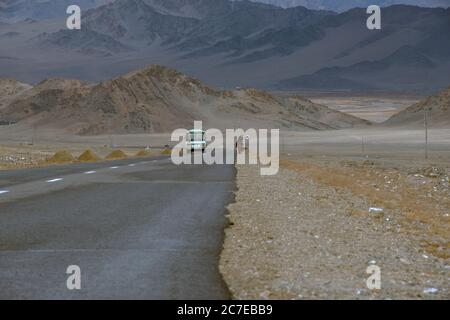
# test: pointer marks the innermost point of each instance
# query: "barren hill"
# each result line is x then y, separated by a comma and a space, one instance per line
10, 89
438, 107
159, 99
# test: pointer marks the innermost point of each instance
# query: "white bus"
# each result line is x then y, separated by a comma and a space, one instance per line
196, 140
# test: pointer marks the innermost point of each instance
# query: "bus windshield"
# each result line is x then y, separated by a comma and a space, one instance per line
196, 135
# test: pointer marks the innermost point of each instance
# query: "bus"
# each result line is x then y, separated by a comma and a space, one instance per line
196, 140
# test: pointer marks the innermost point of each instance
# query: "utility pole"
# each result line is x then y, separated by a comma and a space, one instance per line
363, 147
110, 136
426, 133
33, 134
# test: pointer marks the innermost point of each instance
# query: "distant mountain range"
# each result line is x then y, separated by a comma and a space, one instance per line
16, 10
343, 5
233, 43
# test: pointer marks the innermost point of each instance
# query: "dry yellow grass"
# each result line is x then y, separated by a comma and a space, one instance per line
143, 153
62, 156
166, 152
88, 156
116, 154
413, 201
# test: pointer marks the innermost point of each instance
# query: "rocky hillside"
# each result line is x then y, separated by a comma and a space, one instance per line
159, 99
10, 90
437, 106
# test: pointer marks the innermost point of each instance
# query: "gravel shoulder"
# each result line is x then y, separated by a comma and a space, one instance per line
306, 234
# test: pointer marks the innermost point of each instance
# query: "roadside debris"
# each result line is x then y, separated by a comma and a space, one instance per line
376, 210
430, 290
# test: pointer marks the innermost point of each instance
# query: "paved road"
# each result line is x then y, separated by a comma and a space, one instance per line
138, 229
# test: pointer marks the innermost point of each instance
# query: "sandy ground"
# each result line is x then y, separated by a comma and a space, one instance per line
22, 147
385, 144
293, 237
375, 108
308, 233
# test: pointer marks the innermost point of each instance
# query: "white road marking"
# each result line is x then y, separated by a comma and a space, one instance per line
132, 165
114, 167
54, 180
4, 191
90, 172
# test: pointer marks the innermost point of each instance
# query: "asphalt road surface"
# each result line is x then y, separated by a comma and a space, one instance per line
137, 228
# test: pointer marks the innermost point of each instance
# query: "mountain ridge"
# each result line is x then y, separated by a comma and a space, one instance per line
341, 6
160, 99
231, 44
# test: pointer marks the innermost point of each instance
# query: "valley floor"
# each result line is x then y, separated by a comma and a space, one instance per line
23, 147
373, 107
307, 232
